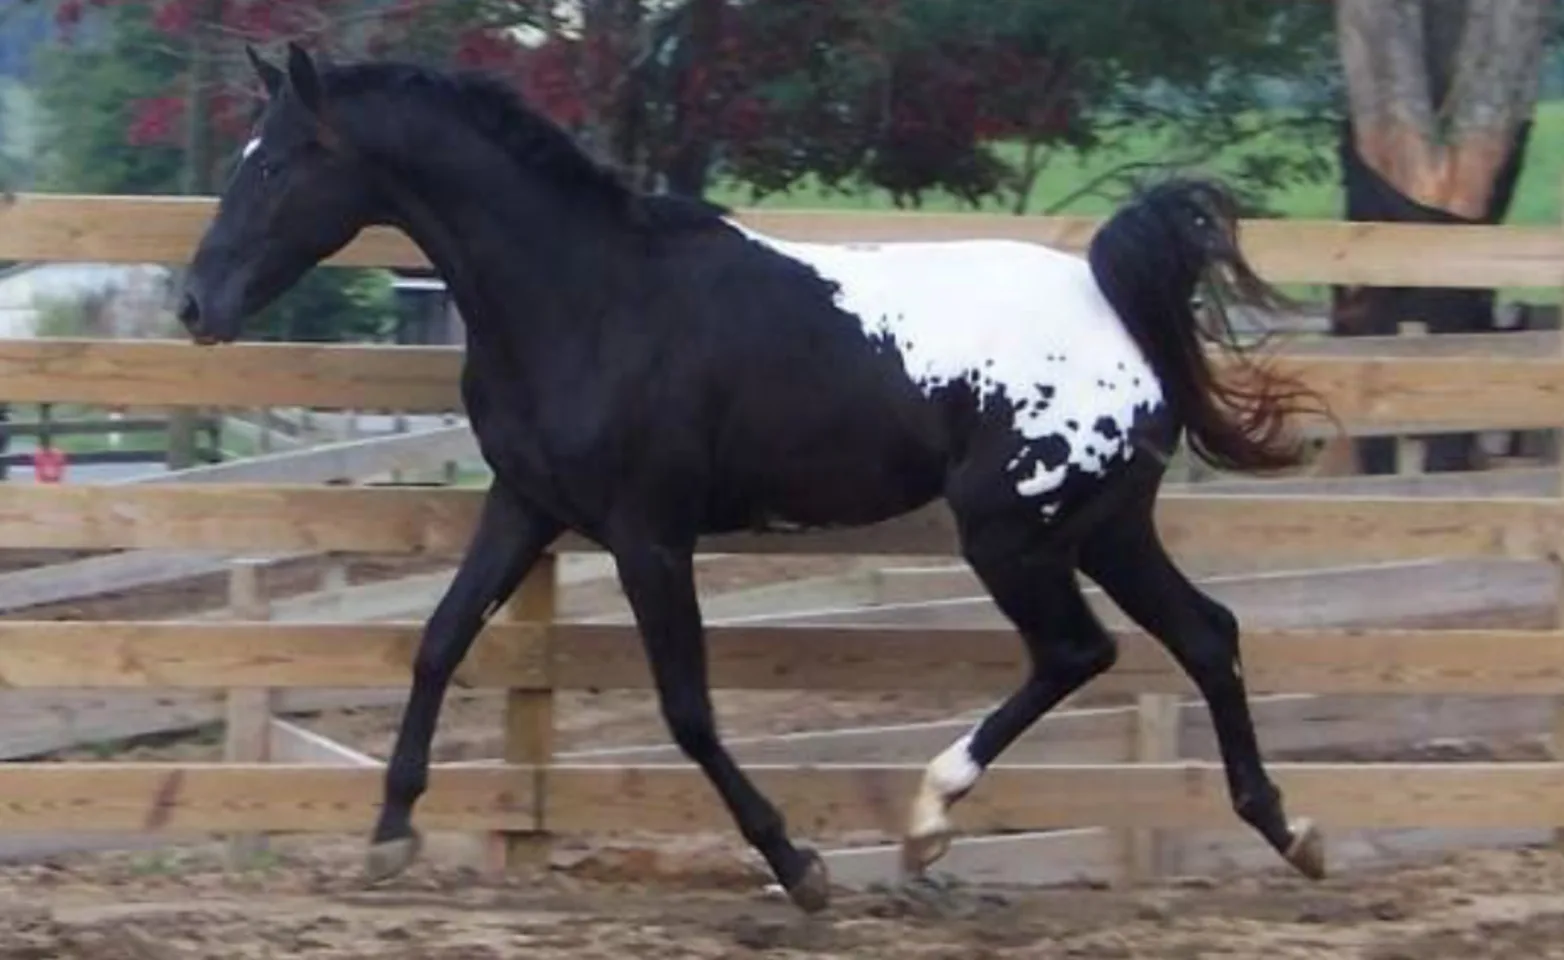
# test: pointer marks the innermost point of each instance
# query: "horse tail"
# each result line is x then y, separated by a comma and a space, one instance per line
1150, 259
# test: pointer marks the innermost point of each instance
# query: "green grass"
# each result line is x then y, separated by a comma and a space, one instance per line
1536, 199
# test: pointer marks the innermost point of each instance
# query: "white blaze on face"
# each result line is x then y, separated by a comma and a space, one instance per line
251, 147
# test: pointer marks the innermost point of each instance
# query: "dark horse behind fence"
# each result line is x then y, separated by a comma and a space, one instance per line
642, 370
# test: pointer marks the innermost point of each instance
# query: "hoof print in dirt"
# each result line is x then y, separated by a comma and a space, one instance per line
760, 935
940, 897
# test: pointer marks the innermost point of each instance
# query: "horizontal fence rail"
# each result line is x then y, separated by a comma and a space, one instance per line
577, 656
1427, 393
165, 229
275, 518
816, 799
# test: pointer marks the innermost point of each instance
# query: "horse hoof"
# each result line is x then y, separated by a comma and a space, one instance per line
919, 853
389, 858
811, 892
1307, 851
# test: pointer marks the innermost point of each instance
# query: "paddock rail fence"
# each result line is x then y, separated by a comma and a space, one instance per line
531, 654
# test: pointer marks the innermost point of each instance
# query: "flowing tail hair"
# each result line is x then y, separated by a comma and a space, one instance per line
1150, 259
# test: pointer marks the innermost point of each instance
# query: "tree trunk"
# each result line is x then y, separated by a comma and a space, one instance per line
611, 34
1441, 95
1438, 90
689, 161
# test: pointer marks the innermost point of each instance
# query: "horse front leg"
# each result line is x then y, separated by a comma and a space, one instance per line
507, 543
659, 583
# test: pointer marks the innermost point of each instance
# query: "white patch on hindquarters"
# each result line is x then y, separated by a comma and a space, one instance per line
253, 145
1017, 321
948, 775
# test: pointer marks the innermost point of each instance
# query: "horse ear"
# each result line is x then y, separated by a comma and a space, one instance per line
303, 78
270, 76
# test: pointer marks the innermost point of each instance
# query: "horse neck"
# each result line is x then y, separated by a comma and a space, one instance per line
524, 269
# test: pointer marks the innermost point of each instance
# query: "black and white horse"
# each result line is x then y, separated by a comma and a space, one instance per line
642, 370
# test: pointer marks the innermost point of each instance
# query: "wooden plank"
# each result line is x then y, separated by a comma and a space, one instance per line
164, 230
992, 660
1534, 482
1290, 726
1269, 530
1344, 530
248, 713
832, 799
1145, 852
221, 655
1288, 251
260, 519
1340, 596
224, 798
1512, 343
176, 373
1439, 392
111, 573
529, 716
278, 519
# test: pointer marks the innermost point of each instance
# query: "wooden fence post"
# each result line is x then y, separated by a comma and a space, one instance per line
529, 723
1557, 744
247, 729
1144, 852
399, 426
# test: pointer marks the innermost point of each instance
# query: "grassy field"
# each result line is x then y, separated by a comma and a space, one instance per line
1536, 199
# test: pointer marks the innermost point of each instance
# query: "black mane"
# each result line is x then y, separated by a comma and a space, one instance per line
494, 110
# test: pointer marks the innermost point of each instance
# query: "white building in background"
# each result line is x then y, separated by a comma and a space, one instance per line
108, 299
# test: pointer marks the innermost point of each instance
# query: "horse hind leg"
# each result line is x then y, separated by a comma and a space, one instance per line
1127, 559
1067, 647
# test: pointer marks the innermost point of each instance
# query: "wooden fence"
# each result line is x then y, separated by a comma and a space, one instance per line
532, 654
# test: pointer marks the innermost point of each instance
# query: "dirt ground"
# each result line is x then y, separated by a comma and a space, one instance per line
307, 903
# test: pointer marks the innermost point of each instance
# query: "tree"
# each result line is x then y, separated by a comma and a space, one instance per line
914, 96
1440, 91
154, 99
1441, 95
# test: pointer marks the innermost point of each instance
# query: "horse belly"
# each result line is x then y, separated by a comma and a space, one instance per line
842, 470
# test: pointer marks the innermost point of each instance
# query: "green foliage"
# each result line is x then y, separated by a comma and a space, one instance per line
90, 85
918, 97
88, 90
329, 304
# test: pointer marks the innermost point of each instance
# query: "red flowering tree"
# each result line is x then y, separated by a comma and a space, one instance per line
910, 96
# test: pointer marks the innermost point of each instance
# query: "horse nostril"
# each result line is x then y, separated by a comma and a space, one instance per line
189, 310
